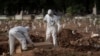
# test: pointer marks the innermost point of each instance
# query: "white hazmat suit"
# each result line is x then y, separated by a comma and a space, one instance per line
21, 34
53, 26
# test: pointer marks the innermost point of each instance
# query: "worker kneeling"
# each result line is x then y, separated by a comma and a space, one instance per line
21, 34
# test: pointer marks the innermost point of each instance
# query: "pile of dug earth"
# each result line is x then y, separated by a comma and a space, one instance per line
66, 38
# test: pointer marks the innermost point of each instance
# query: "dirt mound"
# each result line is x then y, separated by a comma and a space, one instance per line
77, 41
65, 36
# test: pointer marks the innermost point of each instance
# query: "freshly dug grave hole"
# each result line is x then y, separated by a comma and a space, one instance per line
4, 48
37, 38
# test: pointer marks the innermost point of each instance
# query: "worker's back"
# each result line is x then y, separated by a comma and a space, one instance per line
18, 28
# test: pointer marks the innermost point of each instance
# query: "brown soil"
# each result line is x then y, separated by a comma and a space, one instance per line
78, 44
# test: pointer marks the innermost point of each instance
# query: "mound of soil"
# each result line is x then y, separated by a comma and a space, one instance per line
65, 36
77, 41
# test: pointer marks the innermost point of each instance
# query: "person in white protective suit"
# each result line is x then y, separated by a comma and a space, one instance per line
53, 26
21, 34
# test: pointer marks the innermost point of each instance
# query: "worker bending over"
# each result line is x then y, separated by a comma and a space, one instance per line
21, 34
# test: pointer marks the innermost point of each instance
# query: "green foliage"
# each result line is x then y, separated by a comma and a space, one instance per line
69, 11
76, 9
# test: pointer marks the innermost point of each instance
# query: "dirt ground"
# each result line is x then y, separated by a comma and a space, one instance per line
69, 44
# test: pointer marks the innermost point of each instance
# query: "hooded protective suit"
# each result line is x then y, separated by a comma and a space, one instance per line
53, 26
21, 34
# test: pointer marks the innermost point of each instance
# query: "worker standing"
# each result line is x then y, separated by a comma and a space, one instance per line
21, 34
53, 26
